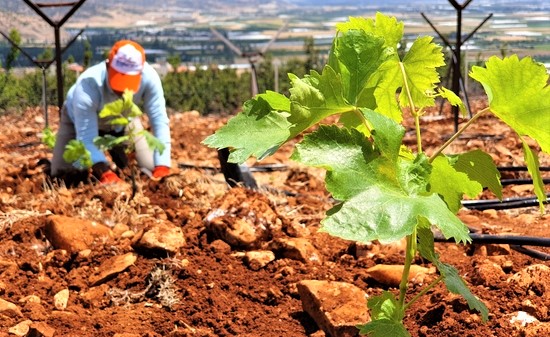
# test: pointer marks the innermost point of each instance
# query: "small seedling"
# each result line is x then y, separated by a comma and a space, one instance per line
386, 190
120, 114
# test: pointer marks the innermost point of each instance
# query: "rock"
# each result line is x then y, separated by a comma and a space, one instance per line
487, 273
493, 250
41, 329
61, 299
258, 259
243, 218
94, 295
111, 267
391, 274
238, 232
533, 280
299, 249
161, 235
220, 246
74, 235
30, 299
9, 309
296, 229
538, 329
21, 329
336, 307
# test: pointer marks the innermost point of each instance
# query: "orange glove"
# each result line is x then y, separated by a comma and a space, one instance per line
109, 177
161, 172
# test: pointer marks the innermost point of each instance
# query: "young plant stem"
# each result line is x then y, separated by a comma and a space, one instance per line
363, 119
423, 292
413, 108
410, 252
458, 133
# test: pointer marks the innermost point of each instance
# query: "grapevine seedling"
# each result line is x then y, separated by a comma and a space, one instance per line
387, 191
48, 137
120, 114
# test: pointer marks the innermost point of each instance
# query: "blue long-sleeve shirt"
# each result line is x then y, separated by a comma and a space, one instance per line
91, 92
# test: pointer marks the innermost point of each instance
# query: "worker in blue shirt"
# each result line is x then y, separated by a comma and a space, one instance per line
125, 69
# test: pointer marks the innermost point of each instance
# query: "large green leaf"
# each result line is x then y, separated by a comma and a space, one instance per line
355, 56
479, 166
257, 131
452, 184
421, 63
314, 98
519, 95
386, 27
382, 195
419, 67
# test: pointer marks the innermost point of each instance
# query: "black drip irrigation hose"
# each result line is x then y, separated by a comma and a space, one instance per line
520, 168
508, 203
505, 182
516, 242
256, 168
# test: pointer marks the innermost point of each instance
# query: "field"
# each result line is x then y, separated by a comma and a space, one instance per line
75, 261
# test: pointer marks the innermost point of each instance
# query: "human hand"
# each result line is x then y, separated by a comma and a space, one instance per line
160, 172
109, 177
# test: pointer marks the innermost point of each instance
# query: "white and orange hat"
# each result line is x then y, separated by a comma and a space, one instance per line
126, 60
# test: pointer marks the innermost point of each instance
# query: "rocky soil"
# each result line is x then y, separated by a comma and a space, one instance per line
189, 256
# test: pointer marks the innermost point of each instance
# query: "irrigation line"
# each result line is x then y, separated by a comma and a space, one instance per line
505, 182
508, 203
531, 252
256, 168
516, 242
520, 168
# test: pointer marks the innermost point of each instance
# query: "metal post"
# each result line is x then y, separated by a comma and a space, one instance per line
457, 81
59, 69
44, 96
57, 25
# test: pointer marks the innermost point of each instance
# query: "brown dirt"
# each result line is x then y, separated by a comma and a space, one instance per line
218, 295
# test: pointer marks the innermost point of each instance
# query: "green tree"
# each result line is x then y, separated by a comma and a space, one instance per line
88, 54
14, 52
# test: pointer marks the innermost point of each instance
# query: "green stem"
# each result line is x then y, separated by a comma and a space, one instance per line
363, 119
413, 108
458, 133
423, 292
410, 252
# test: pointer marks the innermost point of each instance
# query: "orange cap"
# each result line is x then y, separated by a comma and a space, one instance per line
126, 60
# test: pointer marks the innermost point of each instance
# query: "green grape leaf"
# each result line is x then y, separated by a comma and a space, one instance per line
384, 328
259, 130
376, 205
452, 184
519, 95
76, 153
119, 121
533, 165
153, 142
342, 153
387, 317
109, 141
452, 279
456, 285
48, 137
421, 63
386, 81
122, 110
386, 27
453, 98
314, 98
479, 166
355, 56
